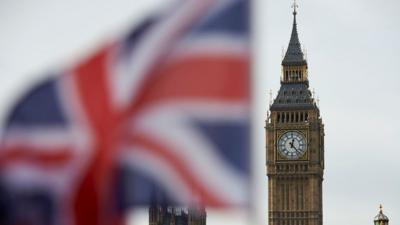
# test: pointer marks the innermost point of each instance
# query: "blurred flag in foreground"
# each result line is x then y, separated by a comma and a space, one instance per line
160, 116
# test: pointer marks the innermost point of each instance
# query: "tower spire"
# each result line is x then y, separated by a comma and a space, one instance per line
294, 55
295, 6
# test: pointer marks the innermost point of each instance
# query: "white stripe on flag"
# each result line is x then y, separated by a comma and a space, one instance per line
171, 125
142, 160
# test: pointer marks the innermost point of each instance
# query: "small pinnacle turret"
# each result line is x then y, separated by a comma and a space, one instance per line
381, 219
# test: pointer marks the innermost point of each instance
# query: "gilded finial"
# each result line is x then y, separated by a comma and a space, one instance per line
295, 6
270, 97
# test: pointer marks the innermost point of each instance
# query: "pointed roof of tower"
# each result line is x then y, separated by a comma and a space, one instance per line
294, 95
294, 55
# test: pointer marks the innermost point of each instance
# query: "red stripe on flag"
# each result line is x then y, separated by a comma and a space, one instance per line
94, 191
53, 158
197, 78
179, 166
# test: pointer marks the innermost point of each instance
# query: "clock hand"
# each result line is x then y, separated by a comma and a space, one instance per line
293, 146
292, 143
297, 150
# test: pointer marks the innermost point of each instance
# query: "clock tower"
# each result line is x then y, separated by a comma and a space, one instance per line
295, 144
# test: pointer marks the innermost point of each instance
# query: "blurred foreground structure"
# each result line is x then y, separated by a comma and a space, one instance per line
162, 215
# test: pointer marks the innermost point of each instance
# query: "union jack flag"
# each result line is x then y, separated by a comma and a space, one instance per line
160, 116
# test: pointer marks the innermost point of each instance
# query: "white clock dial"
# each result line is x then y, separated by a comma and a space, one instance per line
292, 145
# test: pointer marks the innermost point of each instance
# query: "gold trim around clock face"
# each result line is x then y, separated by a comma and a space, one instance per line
280, 133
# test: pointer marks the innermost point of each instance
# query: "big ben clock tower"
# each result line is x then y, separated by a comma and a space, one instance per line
295, 145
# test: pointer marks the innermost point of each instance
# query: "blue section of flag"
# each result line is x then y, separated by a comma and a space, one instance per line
40, 107
230, 140
232, 20
36, 206
133, 38
6, 205
135, 188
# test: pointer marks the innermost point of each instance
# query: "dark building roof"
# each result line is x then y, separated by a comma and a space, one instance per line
381, 216
168, 215
294, 55
293, 96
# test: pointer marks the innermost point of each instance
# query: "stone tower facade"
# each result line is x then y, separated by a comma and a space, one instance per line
295, 145
161, 215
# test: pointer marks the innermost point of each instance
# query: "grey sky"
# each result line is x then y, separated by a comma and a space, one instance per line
352, 48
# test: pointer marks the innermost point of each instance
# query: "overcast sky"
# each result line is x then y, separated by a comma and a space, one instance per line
353, 54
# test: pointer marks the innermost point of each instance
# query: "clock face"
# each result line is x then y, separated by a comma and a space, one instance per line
292, 145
